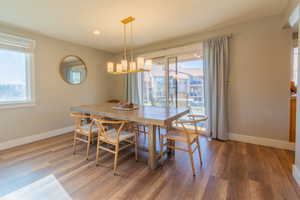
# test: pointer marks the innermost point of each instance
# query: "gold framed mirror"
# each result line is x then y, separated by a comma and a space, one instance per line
73, 69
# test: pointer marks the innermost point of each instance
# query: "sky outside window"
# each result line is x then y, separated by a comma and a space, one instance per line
12, 67
12, 76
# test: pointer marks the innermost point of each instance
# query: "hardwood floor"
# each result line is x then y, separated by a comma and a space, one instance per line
231, 170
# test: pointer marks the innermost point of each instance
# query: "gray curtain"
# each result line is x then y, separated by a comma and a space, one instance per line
132, 88
216, 69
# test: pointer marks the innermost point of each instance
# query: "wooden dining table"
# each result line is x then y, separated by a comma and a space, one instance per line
152, 116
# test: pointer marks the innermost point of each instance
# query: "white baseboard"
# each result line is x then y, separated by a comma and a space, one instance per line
296, 174
281, 144
33, 138
232, 136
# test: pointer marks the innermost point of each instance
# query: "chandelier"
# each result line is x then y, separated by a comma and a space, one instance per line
128, 64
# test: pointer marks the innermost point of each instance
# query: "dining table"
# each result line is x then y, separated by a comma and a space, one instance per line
152, 116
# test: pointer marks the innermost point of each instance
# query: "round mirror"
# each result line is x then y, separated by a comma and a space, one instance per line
73, 70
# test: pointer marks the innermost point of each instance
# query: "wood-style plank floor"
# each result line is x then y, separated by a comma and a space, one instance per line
232, 170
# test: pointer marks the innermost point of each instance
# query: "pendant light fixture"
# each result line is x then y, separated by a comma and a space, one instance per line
128, 64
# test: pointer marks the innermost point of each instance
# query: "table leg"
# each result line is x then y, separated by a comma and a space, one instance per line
152, 162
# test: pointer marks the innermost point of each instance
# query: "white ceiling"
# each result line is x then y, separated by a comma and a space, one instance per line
157, 20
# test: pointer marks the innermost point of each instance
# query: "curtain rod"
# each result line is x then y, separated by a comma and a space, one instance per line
188, 43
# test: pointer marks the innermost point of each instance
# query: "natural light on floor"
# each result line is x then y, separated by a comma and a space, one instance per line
47, 188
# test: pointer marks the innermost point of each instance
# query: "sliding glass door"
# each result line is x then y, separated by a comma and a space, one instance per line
176, 81
171, 80
154, 85
190, 83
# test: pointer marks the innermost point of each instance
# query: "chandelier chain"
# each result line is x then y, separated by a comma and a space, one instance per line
131, 33
128, 63
125, 43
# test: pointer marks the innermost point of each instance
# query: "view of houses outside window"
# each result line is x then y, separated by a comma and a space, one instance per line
190, 88
186, 84
154, 88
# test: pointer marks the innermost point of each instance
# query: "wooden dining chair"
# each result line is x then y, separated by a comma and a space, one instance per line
184, 135
141, 128
84, 132
114, 136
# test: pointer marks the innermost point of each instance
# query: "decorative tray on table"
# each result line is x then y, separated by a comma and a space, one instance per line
125, 106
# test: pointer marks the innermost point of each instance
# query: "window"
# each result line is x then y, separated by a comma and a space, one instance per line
177, 81
16, 71
190, 84
153, 84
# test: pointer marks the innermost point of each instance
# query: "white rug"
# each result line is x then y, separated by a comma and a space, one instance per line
47, 188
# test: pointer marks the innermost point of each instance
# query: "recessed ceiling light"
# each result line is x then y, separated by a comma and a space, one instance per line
197, 55
96, 32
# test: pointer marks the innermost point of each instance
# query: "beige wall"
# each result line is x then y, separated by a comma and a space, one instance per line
54, 96
259, 76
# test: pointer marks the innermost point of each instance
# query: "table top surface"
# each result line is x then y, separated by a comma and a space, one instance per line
145, 114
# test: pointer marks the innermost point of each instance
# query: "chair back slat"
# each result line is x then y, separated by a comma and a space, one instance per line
79, 119
194, 121
102, 124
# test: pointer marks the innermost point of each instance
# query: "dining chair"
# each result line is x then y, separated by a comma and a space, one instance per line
118, 134
184, 135
141, 128
85, 130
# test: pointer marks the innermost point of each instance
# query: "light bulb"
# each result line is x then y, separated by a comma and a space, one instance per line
110, 67
119, 67
148, 64
140, 62
124, 64
96, 32
132, 66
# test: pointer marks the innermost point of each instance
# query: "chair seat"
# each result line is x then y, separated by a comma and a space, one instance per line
179, 135
85, 129
112, 135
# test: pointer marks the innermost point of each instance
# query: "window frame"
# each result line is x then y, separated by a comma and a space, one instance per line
27, 46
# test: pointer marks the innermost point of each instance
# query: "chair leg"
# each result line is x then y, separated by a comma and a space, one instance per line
136, 147
98, 152
92, 139
191, 159
199, 151
144, 129
171, 151
74, 143
158, 131
161, 150
116, 159
88, 147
